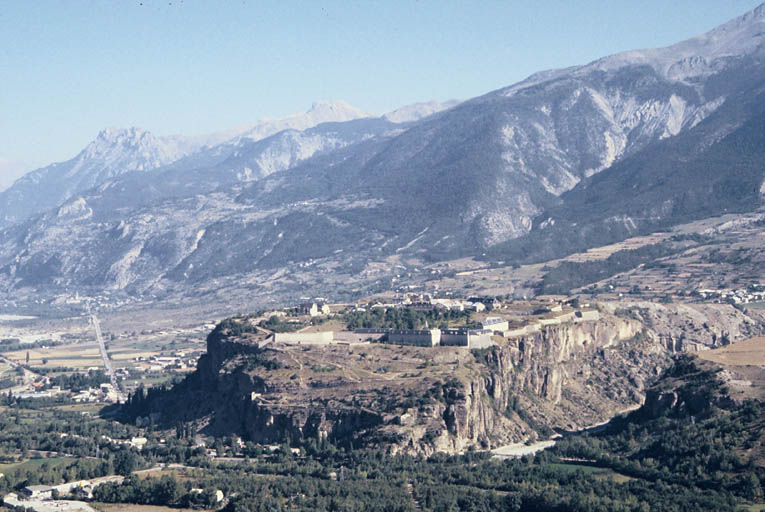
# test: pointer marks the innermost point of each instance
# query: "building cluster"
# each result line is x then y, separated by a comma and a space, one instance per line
40, 388
471, 338
415, 301
180, 361
26, 497
550, 314
82, 489
426, 302
753, 293
48, 393
313, 309
103, 393
479, 338
135, 442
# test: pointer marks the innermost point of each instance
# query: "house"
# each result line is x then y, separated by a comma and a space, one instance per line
472, 338
455, 337
218, 493
36, 492
307, 338
489, 302
495, 323
312, 309
415, 337
83, 491
475, 306
138, 442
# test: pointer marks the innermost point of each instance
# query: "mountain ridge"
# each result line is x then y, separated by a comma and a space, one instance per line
461, 182
115, 151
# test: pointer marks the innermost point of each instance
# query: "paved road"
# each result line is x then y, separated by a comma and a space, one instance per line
105, 356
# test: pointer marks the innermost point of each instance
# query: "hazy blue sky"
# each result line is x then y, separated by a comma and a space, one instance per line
69, 68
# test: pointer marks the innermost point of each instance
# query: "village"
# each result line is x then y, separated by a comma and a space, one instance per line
482, 319
755, 292
77, 494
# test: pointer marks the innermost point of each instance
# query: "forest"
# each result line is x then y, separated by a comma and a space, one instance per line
403, 318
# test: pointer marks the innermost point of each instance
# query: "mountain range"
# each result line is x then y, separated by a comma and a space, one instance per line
564, 160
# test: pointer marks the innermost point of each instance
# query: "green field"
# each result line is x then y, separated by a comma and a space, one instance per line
36, 463
597, 472
126, 507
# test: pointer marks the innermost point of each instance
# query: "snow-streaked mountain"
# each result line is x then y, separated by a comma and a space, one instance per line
417, 111
251, 159
320, 112
113, 152
230, 166
464, 181
117, 151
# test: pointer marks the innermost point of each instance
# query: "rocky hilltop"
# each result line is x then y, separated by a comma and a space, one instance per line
426, 399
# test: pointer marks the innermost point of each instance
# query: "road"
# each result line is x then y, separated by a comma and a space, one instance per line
105, 356
27, 377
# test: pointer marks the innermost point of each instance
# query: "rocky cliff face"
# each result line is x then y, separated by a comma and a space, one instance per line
690, 387
558, 378
692, 327
422, 400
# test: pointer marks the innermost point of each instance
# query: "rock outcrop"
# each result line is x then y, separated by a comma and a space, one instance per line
422, 400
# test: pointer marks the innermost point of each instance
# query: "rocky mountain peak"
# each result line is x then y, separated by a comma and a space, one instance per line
320, 112
114, 134
130, 149
111, 139
337, 110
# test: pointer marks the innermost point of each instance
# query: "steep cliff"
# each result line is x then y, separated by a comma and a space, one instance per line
422, 400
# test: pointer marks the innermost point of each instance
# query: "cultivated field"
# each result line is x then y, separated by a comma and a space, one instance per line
749, 352
745, 366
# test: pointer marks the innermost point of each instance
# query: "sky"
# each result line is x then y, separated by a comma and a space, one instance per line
69, 68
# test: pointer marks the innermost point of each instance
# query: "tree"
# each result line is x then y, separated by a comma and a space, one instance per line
167, 491
125, 462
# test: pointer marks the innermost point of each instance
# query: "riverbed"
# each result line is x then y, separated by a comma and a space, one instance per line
521, 449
